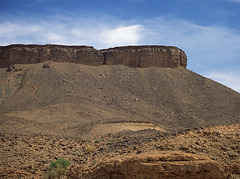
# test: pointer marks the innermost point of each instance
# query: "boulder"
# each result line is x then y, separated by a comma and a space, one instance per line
6, 172
162, 165
236, 167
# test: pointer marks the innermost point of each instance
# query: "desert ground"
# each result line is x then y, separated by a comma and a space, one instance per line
107, 116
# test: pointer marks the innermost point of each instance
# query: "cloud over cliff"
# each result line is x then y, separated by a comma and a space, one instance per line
207, 47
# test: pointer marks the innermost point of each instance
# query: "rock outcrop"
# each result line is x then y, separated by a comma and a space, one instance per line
145, 56
168, 165
28, 54
236, 167
132, 56
6, 172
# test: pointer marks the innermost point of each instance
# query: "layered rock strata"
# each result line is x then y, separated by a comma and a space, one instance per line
132, 56
145, 56
175, 165
30, 54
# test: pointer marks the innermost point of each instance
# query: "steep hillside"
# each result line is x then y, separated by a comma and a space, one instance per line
74, 97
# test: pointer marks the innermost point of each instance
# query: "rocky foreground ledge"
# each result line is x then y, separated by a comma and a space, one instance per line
132, 56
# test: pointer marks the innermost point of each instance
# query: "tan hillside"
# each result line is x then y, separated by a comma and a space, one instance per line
96, 114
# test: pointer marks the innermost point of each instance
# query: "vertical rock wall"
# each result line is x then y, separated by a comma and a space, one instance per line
145, 56
28, 54
132, 56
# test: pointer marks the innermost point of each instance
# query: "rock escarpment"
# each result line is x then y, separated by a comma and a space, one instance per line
132, 56
30, 54
145, 56
170, 165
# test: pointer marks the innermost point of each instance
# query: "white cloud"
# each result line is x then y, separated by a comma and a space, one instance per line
231, 79
22, 32
128, 35
65, 31
209, 48
235, 1
205, 45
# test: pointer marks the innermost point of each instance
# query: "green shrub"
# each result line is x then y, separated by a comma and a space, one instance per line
57, 169
75, 153
89, 149
97, 141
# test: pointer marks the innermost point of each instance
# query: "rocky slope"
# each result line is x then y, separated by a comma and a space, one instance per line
101, 115
216, 152
173, 99
133, 56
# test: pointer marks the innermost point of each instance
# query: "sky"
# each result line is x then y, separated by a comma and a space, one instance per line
207, 30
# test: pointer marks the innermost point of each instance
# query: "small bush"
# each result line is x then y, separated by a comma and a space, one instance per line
89, 149
57, 169
97, 141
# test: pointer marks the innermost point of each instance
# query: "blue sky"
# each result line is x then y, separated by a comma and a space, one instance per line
207, 30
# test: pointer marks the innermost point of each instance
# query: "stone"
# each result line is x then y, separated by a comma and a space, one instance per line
46, 65
132, 56
12, 68
236, 167
160, 165
6, 172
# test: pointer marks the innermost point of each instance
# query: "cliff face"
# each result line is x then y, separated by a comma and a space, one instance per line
28, 54
133, 56
146, 56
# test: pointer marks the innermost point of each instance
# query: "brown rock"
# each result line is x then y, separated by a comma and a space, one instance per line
236, 167
146, 56
168, 165
28, 54
132, 56
13, 68
6, 172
